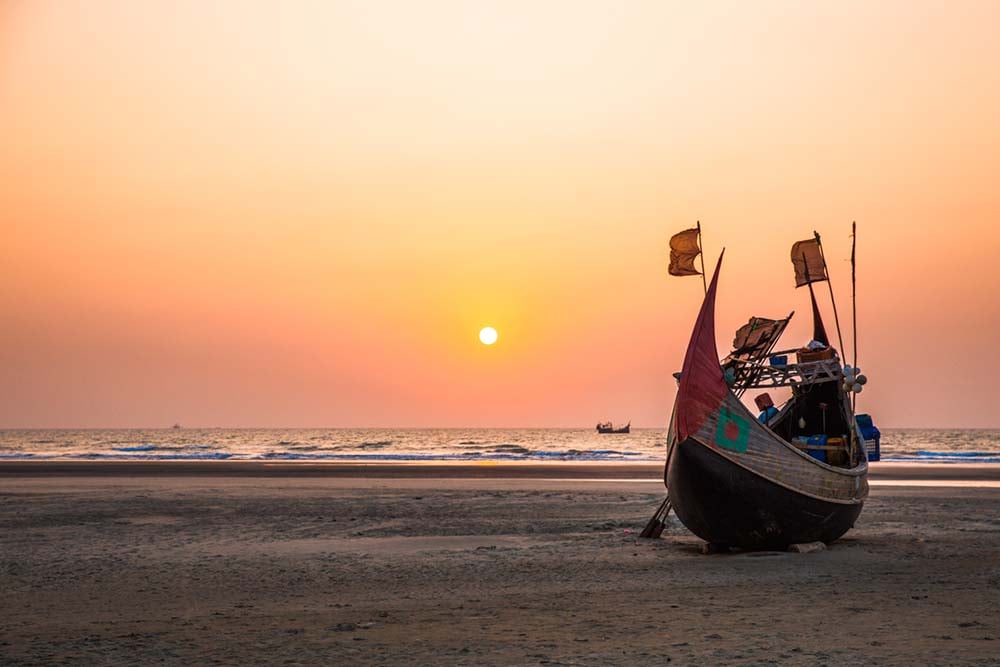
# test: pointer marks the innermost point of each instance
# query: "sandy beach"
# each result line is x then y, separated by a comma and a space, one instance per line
166, 563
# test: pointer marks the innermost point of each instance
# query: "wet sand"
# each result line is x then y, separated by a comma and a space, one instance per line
233, 563
436, 469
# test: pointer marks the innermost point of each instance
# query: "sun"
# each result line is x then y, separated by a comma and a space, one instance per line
488, 335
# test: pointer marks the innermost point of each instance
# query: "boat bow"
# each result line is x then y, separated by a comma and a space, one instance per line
702, 386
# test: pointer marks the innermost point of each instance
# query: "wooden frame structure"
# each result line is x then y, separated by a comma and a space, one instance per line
792, 375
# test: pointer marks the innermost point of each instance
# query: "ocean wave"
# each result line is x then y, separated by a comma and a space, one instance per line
142, 456
958, 454
946, 457
124, 456
364, 446
510, 449
114, 442
503, 448
159, 448
298, 456
526, 455
377, 444
593, 455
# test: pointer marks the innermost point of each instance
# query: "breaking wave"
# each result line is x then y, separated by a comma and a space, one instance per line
946, 457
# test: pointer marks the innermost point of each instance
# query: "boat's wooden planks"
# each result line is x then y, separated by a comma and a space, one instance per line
767, 455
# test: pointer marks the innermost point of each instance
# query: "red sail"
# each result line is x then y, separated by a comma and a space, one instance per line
702, 388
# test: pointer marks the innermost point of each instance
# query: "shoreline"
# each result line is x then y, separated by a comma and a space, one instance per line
441, 469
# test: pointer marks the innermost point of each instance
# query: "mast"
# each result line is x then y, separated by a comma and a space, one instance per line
854, 307
854, 298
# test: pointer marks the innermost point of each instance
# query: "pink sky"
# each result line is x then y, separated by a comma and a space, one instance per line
301, 214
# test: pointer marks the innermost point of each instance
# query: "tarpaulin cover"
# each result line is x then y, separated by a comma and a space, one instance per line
757, 335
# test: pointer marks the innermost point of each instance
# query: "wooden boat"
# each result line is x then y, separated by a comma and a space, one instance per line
608, 427
734, 481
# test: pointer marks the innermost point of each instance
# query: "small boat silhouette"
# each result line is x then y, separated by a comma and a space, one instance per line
608, 427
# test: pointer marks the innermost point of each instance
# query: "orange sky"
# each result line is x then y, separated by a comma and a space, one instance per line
301, 213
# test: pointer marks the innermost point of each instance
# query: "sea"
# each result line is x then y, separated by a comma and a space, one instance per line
473, 444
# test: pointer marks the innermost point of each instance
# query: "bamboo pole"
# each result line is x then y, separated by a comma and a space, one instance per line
854, 306
854, 290
854, 330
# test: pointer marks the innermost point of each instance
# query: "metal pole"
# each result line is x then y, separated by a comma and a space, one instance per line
701, 256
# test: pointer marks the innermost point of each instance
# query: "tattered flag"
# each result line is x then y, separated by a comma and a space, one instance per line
807, 258
684, 249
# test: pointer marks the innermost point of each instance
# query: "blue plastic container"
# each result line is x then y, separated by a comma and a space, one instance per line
871, 435
874, 449
779, 360
816, 453
816, 447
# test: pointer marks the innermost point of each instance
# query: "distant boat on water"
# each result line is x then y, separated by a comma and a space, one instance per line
608, 427
176, 426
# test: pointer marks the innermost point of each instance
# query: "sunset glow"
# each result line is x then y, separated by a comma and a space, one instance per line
296, 214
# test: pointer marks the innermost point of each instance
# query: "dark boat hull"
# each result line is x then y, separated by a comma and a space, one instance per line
724, 503
607, 431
